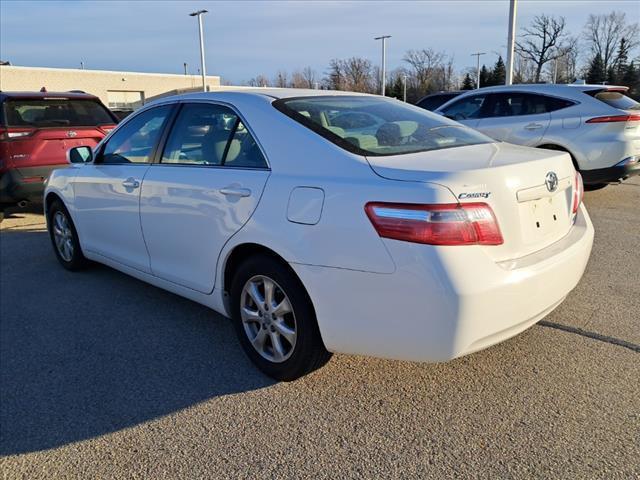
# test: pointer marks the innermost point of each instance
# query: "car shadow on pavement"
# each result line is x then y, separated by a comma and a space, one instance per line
89, 353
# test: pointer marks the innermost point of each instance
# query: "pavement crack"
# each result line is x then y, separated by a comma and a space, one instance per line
593, 335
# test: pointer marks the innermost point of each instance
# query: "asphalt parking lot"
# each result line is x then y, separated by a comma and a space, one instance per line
103, 376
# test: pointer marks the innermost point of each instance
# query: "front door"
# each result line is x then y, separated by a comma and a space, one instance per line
107, 191
204, 189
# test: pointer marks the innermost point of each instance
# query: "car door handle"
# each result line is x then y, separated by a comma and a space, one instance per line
131, 183
533, 126
235, 192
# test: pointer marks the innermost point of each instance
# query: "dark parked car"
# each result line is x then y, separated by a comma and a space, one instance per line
37, 129
434, 100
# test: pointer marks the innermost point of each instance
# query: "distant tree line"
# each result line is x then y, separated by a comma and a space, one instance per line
605, 52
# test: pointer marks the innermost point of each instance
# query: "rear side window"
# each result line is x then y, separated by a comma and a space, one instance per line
55, 112
398, 127
615, 99
211, 135
512, 104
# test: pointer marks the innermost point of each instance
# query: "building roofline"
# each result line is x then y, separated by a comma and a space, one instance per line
115, 72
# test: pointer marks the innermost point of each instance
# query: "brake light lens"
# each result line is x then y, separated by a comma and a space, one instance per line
615, 118
578, 192
436, 224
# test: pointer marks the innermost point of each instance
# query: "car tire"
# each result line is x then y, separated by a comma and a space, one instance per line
287, 339
590, 187
64, 237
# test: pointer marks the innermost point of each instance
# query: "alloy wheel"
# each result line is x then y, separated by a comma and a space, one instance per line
268, 318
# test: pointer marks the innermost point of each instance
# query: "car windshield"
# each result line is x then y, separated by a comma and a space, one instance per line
55, 112
369, 125
616, 99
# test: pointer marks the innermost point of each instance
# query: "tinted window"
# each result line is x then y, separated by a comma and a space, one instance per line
554, 103
58, 112
135, 140
616, 100
405, 128
434, 101
512, 104
466, 108
211, 135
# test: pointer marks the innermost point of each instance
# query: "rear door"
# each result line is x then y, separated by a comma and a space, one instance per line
107, 192
204, 188
515, 117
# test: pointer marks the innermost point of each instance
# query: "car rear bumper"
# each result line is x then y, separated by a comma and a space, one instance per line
621, 171
443, 302
24, 184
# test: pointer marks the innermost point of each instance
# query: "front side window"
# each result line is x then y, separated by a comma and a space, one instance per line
135, 141
467, 108
206, 134
393, 127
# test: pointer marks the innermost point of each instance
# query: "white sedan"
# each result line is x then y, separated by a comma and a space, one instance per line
423, 242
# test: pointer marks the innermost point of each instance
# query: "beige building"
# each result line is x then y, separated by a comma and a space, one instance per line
117, 90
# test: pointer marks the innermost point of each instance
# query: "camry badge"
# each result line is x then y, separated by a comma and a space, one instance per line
551, 181
72, 133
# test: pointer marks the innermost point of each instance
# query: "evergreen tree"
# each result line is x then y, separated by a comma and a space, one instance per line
467, 83
631, 79
499, 74
485, 77
596, 73
621, 65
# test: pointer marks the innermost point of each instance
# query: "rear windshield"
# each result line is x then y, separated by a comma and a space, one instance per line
377, 125
615, 99
55, 112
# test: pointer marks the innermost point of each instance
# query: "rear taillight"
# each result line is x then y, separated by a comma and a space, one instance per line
615, 118
578, 192
15, 133
436, 224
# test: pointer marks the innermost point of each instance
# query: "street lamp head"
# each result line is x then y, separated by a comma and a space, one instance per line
382, 37
199, 12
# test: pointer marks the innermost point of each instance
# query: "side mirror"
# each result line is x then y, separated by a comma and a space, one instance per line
80, 155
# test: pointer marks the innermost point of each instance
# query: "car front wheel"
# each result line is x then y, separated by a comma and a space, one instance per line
275, 320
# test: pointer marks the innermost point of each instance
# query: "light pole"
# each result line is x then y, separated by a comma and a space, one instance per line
511, 41
478, 67
199, 14
384, 62
404, 87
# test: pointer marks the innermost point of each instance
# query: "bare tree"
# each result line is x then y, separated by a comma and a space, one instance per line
423, 65
281, 79
603, 34
310, 77
542, 41
354, 74
259, 81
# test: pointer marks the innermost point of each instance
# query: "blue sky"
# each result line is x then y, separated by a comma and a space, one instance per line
246, 38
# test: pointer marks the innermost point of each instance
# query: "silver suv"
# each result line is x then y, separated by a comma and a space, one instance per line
597, 124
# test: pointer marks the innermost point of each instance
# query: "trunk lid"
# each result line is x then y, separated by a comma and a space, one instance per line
510, 178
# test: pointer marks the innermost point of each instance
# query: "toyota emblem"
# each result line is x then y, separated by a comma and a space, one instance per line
551, 181
72, 133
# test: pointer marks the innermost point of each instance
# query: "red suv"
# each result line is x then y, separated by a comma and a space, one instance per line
37, 129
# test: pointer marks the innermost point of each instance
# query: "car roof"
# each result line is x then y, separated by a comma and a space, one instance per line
572, 91
550, 87
275, 93
41, 95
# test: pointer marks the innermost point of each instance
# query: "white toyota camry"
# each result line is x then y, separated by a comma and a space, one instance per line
419, 239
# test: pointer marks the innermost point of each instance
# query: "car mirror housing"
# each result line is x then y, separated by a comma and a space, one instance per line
80, 155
